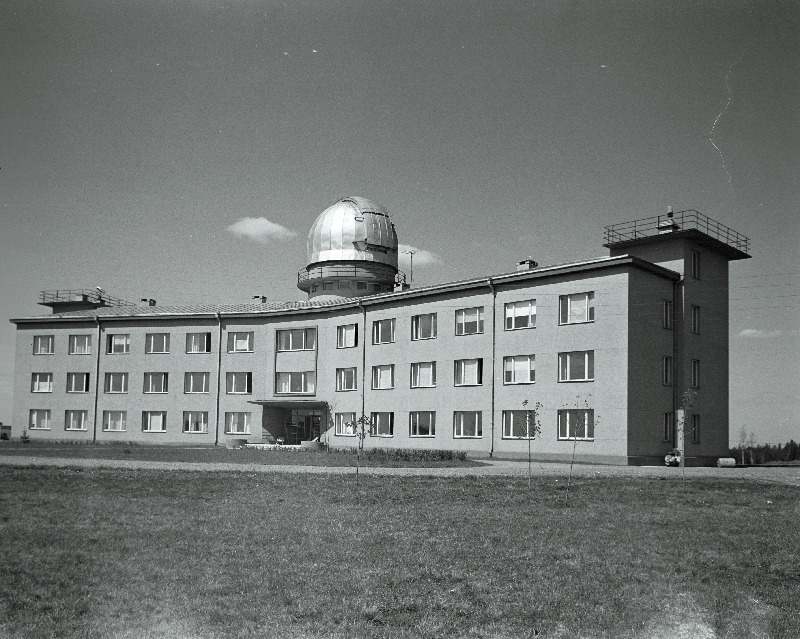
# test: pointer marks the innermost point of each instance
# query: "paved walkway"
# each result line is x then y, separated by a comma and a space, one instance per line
492, 468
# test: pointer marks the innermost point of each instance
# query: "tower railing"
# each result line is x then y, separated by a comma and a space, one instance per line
682, 220
65, 296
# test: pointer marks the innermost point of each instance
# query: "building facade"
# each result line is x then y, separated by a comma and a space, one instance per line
594, 358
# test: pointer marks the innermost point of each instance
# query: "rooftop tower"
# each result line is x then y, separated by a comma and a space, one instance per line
352, 251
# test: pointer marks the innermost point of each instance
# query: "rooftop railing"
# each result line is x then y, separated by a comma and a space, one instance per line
81, 295
683, 221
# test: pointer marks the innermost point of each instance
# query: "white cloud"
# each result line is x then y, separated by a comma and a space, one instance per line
758, 334
260, 229
421, 256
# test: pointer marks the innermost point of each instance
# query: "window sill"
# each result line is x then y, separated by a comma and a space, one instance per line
468, 334
575, 381
286, 350
432, 386
153, 431
574, 323
344, 435
422, 339
519, 328
345, 390
467, 385
519, 383
37, 391
76, 430
467, 436
382, 436
32, 428
69, 392
422, 436
379, 389
572, 439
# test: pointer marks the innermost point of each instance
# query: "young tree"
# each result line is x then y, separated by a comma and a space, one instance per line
582, 416
359, 426
533, 428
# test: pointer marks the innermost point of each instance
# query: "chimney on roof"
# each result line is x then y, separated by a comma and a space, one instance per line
526, 265
667, 225
150, 302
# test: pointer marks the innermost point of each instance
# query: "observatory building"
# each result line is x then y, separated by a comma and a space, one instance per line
594, 357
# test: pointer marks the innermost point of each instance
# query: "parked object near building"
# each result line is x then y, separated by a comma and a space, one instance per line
605, 345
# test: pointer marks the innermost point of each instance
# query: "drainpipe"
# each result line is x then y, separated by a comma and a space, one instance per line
219, 371
363, 356
494, 344
677, 288
96, 378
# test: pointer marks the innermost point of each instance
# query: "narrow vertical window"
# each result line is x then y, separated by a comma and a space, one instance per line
666, 375
695, 428
695, 373
695, 267
667, 315
696, 319
669, 421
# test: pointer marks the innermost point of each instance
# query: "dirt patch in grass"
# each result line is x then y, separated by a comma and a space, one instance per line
102, 553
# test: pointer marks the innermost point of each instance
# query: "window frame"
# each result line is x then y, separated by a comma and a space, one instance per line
565, 312
72, 345
115, 340
509, 421
588, 367
109, 383
288, 345
416, 335
147, 423
531, 369
231, 386
588, 434
462, 321
378, 336
376, 377
308, 378
342, 336
340, 423
186, 422
230, 418
150, 343
74, 376
108, 421
39, 413
342, 378
375, 425
148, 375
193, 338
510, 318
69, 413
459, 368
206, 377
458, 423
41, 382
414, 424
414, 381
233, 340
48, 340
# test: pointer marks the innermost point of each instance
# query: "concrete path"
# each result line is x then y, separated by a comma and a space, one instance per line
492, 468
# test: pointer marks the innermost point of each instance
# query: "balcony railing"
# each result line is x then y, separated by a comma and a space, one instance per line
81, 295
683, 221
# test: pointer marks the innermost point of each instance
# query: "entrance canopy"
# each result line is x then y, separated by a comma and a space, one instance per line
293, 404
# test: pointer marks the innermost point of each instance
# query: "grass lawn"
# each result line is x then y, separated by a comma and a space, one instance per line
103, 553
220, 454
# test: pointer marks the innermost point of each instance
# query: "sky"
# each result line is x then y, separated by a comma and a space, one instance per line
180, 151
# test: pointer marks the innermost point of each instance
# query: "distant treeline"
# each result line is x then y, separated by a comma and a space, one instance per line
764, 453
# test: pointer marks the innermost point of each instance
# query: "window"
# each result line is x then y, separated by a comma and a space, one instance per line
576, 308
346, 379
423, 326
695, 267
345, 424
383, 376
347, 336
695, 373
42, 383
118, 344
156, 343
576, 424
195, 383
80, 344
468, 372
467, 424
577, 366
76, 420
43, 344
156, 383
154, 421
198, 342
666, 374
382, 425
116, 383
40, 419
422, 423
469, 321
237, 423
667, 319
239, 383
423, 374
696, 319
195, 421
521, 315
240, 342
383, 331
297, 339
519, 369
115, 420
296, 383
695, 428
518, 424
77, 382
669, 421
